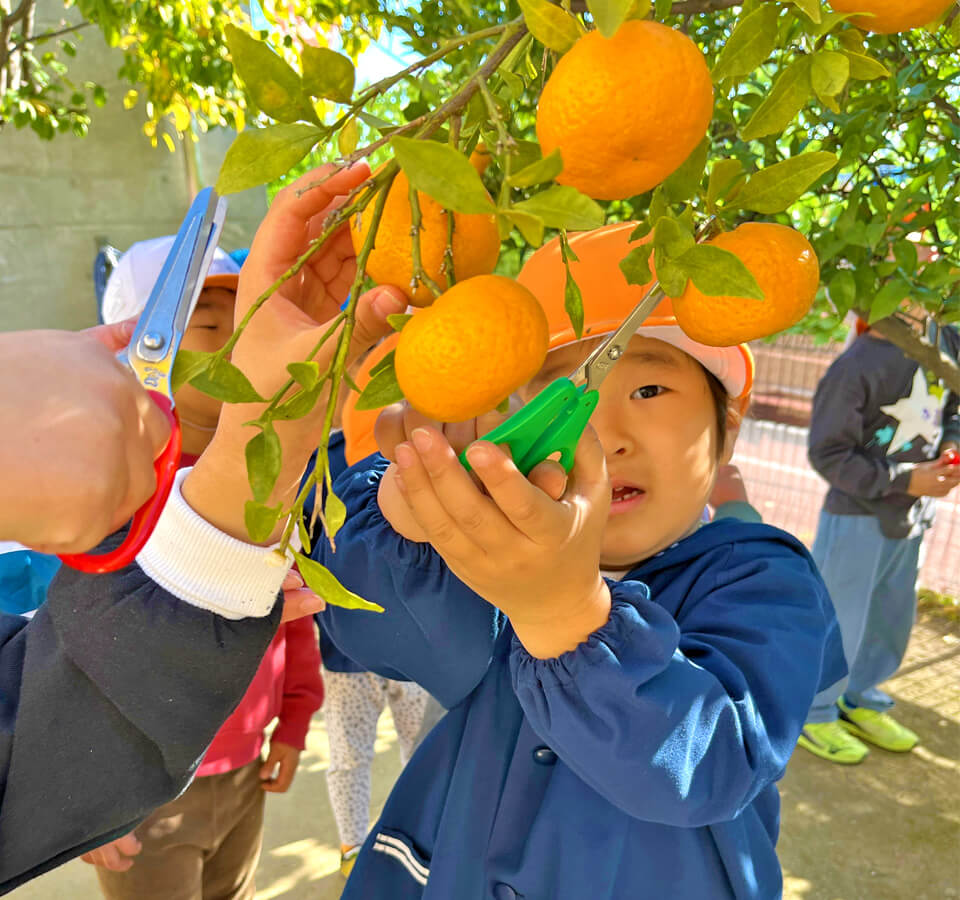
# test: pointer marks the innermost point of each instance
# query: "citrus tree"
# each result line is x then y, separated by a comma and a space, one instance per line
173, 56
786, 161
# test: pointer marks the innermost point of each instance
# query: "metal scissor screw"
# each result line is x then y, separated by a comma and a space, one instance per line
153, 341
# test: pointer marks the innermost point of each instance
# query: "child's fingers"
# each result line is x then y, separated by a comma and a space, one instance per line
550, 477
531, 511
440, 526
371, 318
588, 477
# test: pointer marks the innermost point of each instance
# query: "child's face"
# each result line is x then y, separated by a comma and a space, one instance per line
657, 422
208, 329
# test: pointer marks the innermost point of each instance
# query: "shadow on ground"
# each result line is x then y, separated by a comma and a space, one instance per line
887, 829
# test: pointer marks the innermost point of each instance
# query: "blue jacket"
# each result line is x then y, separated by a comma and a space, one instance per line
641, 764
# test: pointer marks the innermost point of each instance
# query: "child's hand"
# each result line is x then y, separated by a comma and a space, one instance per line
934, 479
299, 601
396, 425
535, 558
276, 774
397, 422
286, 328
115, 856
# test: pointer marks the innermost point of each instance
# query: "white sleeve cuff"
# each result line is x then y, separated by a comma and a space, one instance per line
205, 567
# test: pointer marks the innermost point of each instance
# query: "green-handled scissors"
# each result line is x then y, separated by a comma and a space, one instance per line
553, 421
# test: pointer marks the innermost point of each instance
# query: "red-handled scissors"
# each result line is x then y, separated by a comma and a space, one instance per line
151, 354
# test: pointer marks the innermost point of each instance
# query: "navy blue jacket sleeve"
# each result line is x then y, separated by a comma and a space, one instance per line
836, 440
109, 697
435, 630
683, 721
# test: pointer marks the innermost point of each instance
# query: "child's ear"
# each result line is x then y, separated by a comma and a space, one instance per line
732, 429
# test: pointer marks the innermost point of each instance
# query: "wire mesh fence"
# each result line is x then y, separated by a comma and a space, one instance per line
772, 455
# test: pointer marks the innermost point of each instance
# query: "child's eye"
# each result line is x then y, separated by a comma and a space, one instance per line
648, 391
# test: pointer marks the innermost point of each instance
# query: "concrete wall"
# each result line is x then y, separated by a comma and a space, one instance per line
58, 198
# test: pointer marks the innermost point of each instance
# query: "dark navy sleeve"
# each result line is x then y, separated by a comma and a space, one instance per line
435, 630
109, 697
836, 440
683, 721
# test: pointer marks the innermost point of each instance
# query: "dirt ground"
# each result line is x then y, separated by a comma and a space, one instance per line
888, 829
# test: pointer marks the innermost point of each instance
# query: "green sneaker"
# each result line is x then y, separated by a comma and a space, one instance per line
876, 727
831, 741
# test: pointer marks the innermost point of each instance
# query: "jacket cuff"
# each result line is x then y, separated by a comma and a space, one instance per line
204, 567
293, 727
637, 628
901, 478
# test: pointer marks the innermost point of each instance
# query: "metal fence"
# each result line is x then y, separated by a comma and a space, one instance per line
772, 454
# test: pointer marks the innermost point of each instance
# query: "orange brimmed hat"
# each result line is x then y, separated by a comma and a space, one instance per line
608, 300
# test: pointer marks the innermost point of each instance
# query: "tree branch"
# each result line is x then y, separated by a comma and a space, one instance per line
931, 358
37, 38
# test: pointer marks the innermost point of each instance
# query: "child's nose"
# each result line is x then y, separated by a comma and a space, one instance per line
609, 421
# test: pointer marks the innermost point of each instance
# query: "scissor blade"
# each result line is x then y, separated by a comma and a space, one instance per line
599, 363
160, 328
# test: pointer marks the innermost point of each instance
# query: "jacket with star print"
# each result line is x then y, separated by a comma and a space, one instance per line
875, 416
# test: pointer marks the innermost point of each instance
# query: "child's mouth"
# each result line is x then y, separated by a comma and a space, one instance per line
624, 497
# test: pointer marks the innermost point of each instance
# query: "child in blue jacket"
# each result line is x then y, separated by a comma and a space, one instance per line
625, 685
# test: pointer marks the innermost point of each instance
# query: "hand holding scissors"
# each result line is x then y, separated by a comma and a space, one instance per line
151, 354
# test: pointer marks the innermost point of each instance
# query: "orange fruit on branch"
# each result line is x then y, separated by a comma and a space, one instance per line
469, 351
787, 270
625, 112
891, 16
476, 242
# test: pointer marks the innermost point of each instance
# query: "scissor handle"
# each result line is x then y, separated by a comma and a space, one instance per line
551, 422
144, 519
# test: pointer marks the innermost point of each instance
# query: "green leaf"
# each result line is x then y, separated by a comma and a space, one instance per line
774, 188
842, 291
306, 374
382, 390
263, 462
905, 253
685, 181
829, 74
573, 304
865, 68
545, 169
298, 405
609, 15
187, 365
790, 92
661, 9
321, 581
718, 272
672, 277
670, 240
348, 137
273, 85
504, 406
304, 535
260, 520
636, 265
443, 173
397, 320
751, 43
386, 363
529, 225
562, 206
227, 383
810, 7
549, 24
888, 299
723, 175
327, 74
334, 514
259, 155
